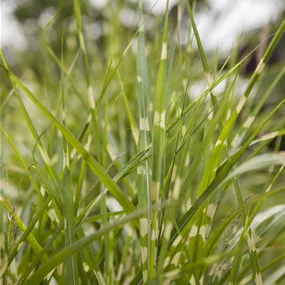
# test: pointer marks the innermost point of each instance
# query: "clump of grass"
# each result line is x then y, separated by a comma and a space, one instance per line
119, 177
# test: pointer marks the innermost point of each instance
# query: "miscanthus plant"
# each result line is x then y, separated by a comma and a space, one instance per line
111, 173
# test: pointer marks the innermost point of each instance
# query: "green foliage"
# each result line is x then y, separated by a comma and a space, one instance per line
112, 172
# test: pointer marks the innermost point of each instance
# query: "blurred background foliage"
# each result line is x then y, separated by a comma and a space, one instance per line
117, 20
